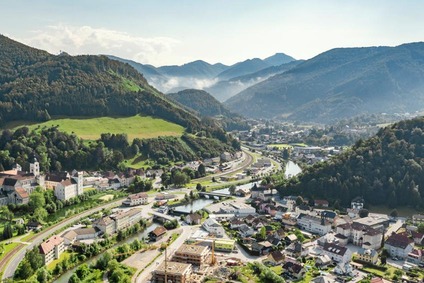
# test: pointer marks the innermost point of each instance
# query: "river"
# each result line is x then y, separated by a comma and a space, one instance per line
292, 169
65, 277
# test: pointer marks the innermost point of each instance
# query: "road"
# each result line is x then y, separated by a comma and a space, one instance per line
11, 261
186, 233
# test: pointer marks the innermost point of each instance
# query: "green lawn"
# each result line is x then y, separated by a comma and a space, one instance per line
90, 128
279, 145
6, 248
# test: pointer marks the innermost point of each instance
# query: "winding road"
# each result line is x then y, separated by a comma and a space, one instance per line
11, 260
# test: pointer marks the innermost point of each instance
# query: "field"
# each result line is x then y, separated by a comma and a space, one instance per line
90, 128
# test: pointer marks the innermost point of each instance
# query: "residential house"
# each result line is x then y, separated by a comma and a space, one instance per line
367, 255
303, 209
313, 224
357, 203
417, 237
175, 272
323, 260
275, 258
416, 256
136, 199
337, 253
262, 248
52, 249
242, 209
34, 225
69, 237
192, 254
418, 218
236, 223
213, 227
193, 219
295, 270
157, 234
290, 239
321, 203
19, 196
245, 231
399, 245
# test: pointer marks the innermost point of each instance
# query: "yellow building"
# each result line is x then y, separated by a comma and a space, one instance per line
224, 245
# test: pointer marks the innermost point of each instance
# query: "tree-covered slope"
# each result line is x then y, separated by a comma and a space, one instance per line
200, 101
341, 83
386, 169
35, 84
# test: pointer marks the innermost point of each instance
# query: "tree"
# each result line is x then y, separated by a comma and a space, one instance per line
232, 189
421, 228
299, 200
199, 187
43, 276
36, 200
7, 231
82, 271
363, 213
74, 279
394, 213
180, 178
24, 270
202, 170
40, 214
262, 234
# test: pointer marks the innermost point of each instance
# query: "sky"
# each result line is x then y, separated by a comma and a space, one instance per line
174, 32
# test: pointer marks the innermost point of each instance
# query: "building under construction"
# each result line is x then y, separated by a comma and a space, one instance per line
193, 254
176, 272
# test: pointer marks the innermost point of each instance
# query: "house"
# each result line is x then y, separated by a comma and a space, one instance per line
337, 253
34, 225
295, 249
313, 224
68, 189
52, 249
343, 268
213, 227
192, 254
245, 231
367, 255
302, 209
136, 199
290, 239
175, 272
106, 225
262, 248
193, 219
295, 270
416, 256
418, 237
249, 219
418, 218
357, 203
321, 203
157, 233
323, 260
322, 279
226, 156
20, 196
236, 223
399, 245
275, 258
242, 209
257, 224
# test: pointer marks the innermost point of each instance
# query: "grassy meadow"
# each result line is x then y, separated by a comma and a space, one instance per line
91, 128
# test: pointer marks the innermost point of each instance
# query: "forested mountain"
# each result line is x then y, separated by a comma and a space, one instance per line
35, 84
386, 169
200, 101
218, 79
205, 105
223, 90
341, 83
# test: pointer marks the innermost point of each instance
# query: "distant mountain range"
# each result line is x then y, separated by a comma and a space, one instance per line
340, 83
218, 79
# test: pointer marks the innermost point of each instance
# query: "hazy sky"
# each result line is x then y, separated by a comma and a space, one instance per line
165, 32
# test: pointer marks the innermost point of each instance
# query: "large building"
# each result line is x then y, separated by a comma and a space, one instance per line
136, 199
68, 188
125, 219
313, 224
176, 272
193, 254
106, 225
399, 245
337, 253
361, 235
52, 249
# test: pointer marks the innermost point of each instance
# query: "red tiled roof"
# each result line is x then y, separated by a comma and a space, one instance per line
49, 245
159, 231
22, 193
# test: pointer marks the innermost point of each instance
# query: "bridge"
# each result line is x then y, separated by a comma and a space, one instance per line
213, 194
162, 217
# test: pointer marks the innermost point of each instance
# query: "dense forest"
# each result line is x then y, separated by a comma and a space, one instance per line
56, 150
385, 169
35, 85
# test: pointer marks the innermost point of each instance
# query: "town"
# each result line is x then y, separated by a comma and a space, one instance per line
234, 229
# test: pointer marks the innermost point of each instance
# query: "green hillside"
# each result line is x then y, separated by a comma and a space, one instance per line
91, 128
35, 85
386, 170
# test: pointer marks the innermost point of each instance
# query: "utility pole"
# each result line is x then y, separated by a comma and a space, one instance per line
166, 275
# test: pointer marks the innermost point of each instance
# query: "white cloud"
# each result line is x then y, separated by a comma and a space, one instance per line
88, 40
